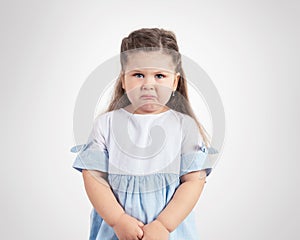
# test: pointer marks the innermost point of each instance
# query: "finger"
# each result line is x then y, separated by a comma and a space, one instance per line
140, 233
140, 224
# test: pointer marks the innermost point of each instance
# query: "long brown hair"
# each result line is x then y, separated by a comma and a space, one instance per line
156, 39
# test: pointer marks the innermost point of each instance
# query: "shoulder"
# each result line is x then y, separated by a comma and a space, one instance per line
102, 120
106, 115
190, 128
102, 116
186, 120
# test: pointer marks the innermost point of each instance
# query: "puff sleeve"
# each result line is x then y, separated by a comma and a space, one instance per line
92, 155
194, 153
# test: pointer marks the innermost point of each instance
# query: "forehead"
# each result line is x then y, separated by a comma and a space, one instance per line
149, 60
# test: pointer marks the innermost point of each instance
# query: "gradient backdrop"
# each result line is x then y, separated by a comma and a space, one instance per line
250, 50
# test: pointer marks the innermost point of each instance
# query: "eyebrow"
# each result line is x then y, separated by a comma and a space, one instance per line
155, 72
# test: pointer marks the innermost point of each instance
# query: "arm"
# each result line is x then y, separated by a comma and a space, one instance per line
183, 201
107, 206
101, 196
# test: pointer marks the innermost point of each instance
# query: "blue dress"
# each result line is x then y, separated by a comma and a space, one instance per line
144, 155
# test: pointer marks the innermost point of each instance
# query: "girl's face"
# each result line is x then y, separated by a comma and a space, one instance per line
149, 79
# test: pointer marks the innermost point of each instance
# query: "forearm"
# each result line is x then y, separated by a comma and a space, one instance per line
102, 197
182, 203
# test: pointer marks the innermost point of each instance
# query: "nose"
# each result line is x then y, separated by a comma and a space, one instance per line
148, 83
148, 87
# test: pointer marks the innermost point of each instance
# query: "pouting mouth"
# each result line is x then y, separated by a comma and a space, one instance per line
147, 96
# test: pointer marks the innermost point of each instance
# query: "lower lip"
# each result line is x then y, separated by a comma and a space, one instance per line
148, 97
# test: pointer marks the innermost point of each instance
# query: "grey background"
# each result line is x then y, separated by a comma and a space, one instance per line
249, 49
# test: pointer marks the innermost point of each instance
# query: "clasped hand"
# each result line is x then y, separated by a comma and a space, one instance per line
129, 228
155, 231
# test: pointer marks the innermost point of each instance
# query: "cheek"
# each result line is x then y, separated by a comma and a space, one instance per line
163, 92
133, 91
165, 85
131, 83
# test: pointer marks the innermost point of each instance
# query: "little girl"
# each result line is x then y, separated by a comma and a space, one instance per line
145, 162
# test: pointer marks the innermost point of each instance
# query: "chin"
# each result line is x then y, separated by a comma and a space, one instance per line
150, 107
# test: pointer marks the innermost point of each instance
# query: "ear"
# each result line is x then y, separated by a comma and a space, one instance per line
177, 77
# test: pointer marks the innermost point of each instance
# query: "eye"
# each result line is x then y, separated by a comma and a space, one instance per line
160, 76
138, 75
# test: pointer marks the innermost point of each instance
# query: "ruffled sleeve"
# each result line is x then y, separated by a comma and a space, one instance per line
92, 155
195, 161
194, 153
